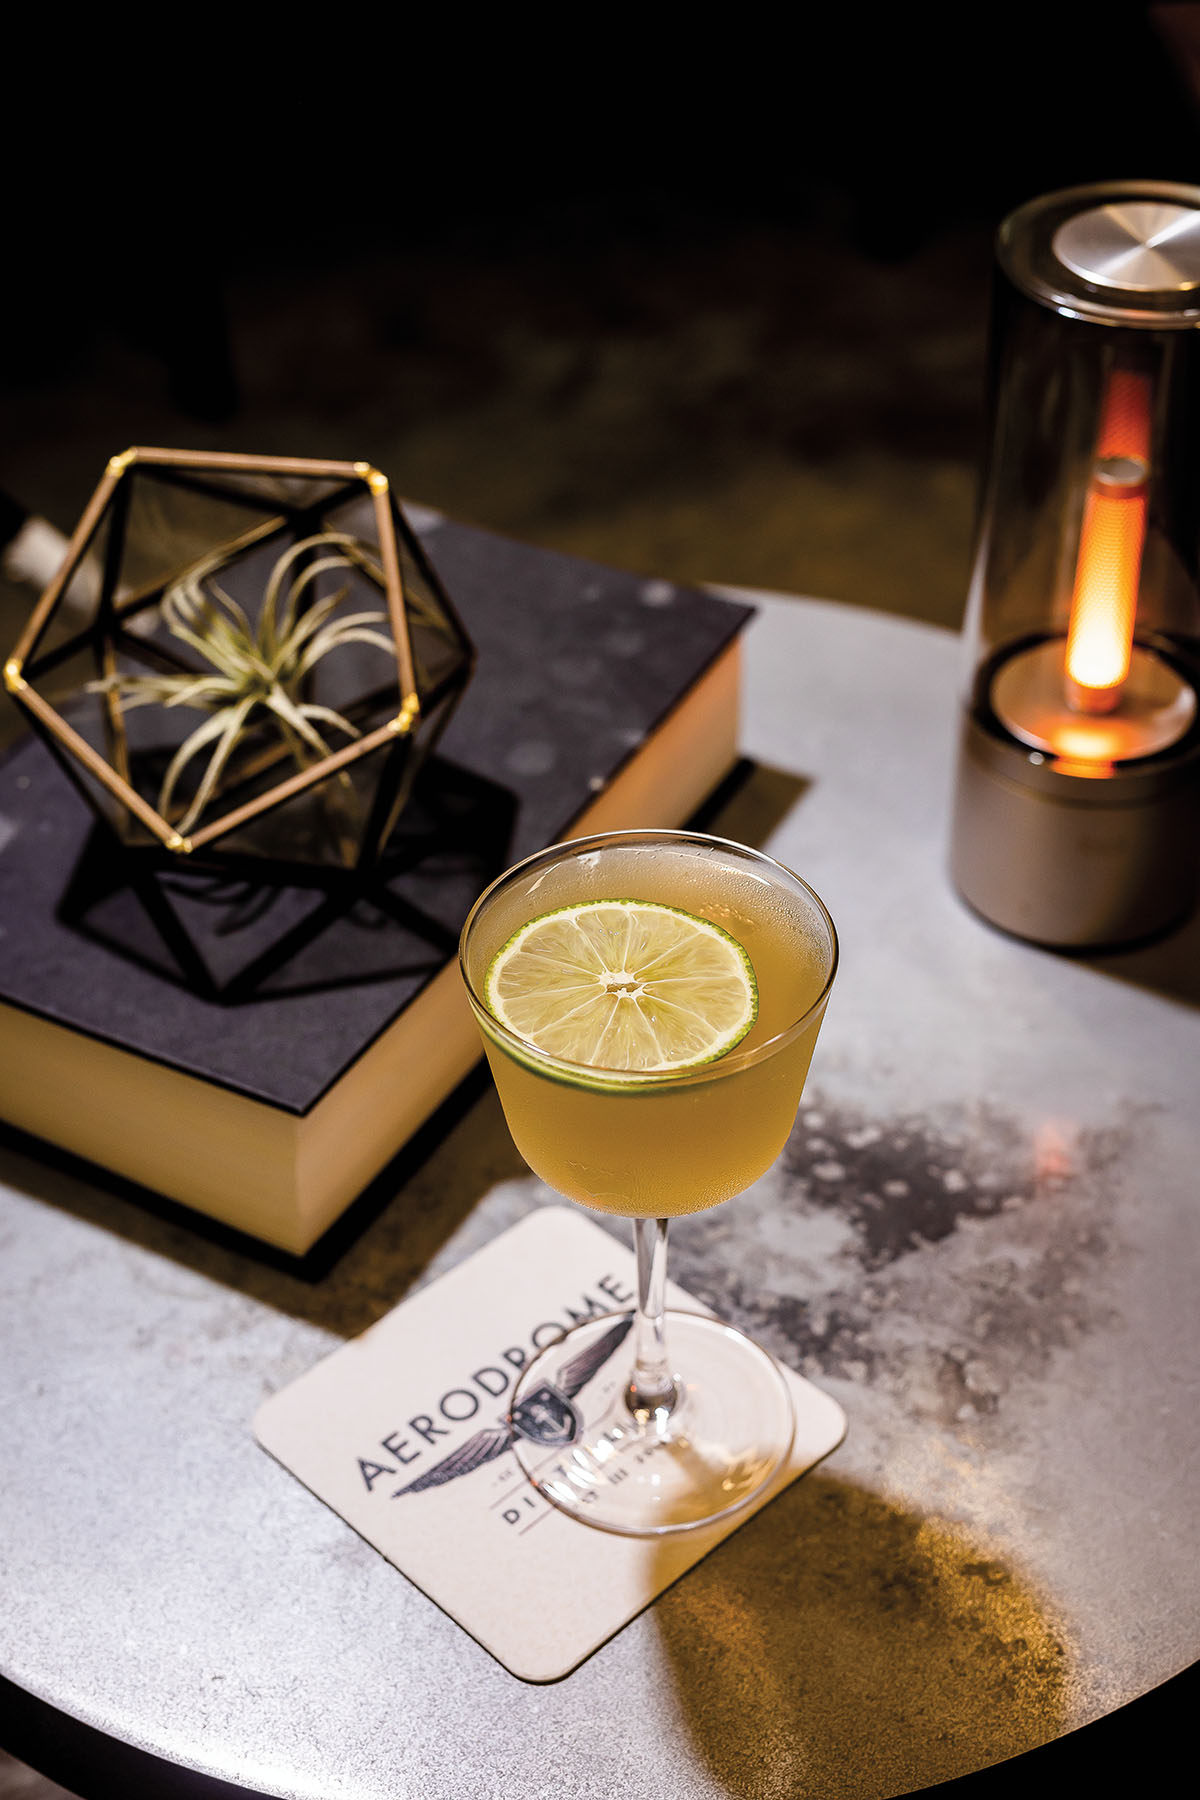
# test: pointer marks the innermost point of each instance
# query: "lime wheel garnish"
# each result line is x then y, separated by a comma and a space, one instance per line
624, 985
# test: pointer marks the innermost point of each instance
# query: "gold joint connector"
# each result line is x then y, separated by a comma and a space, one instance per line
14, 681
375, 479
409, 712
181, 845
117, 465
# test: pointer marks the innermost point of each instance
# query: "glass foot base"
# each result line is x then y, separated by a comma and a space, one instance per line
719, 1446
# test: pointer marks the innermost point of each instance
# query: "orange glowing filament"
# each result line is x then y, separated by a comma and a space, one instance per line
1107, 574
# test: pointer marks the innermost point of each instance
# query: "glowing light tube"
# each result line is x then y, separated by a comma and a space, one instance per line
1108, 570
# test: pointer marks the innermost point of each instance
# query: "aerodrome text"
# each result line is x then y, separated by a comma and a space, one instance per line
408, 1443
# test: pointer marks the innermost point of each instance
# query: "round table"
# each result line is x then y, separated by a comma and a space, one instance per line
982, 1240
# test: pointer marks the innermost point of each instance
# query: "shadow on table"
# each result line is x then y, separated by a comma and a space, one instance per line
751, 802
365, 1264
1170, 965
836, 1645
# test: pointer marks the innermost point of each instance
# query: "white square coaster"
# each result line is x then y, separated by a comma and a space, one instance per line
428, 1383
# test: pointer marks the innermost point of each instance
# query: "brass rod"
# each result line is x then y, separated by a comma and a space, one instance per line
80, 538
95, 764
295, 784
239, 461
395, 587
446, 607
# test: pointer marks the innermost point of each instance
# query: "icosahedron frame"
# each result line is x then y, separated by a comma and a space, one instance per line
395, 739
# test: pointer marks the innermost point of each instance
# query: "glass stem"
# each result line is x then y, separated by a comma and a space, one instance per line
652, 1392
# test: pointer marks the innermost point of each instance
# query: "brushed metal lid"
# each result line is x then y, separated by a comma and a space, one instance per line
1126, 253
1137, 246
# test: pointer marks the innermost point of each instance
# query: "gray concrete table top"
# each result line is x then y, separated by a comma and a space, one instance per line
983, 1240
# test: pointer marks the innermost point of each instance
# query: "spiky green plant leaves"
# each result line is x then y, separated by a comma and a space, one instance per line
254, 672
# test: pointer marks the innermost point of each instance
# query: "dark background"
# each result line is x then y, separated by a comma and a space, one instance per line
710, 308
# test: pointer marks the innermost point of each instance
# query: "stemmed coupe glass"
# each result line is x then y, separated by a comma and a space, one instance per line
697, 1421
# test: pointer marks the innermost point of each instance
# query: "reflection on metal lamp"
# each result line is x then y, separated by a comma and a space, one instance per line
1078, 799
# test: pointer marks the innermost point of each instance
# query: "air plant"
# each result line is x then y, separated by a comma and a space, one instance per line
255, 672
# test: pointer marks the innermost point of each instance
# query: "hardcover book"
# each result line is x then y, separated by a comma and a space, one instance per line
259, 1051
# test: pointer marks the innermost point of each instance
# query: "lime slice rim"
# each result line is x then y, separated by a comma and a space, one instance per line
603, 1072
554, 1068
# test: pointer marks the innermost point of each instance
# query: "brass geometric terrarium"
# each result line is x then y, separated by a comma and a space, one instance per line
243, 657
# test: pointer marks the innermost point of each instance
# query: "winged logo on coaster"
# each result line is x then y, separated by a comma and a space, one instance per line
405, 1433
545, 1417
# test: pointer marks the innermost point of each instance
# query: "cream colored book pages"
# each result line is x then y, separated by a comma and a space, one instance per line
423, 1392
192, 1140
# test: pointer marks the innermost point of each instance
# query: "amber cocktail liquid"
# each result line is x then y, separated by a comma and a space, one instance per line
703, 1421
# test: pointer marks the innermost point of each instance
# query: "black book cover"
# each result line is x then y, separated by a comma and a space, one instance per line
274, 991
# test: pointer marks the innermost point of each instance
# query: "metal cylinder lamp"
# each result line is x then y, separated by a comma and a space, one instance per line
1077, 811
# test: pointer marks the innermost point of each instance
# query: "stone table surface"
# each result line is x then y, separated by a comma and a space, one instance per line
982, 1239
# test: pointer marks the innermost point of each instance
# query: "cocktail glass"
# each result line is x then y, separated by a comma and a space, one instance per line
698, 1420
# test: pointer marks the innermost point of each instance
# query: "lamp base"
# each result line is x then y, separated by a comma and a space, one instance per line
1074, 861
